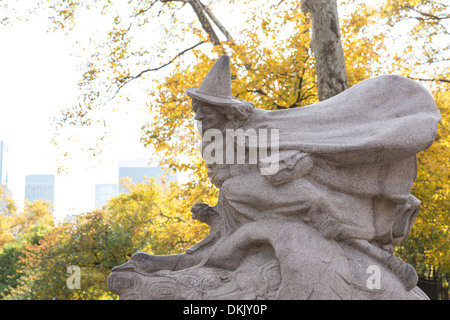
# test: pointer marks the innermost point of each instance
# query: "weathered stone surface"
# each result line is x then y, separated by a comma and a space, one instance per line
311, 202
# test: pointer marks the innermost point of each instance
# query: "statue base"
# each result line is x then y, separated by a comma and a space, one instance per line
270, 259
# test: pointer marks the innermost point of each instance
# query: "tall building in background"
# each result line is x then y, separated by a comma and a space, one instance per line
103, 192
40, 187
3, 163
138, 170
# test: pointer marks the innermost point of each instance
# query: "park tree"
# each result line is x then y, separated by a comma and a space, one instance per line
17, 230
146, 218
15, 223
6, 234
8, 213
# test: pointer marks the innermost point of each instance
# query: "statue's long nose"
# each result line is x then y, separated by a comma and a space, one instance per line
129, 265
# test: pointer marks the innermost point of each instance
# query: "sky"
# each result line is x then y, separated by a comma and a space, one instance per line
39, 77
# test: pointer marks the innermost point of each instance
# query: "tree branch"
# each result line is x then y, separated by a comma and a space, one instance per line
429, 15
261, 92
141, 11
216, 21
257, 90
300, 96
422, 79
206, 25
125, 80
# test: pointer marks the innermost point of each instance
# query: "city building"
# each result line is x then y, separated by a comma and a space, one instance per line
40, 187
139, 170
103, 192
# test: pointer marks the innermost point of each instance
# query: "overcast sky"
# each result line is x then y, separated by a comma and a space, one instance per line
39, 77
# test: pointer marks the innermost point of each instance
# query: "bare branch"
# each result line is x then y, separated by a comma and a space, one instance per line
141, 11
261, 92
125, 80
429, 15
431, 80
300, 96
257, 90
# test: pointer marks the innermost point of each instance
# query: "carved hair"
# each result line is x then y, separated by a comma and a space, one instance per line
239, 112
236, 114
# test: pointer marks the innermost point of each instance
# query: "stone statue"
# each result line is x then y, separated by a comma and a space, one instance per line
311, 203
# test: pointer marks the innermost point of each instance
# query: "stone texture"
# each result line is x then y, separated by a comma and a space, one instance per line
323, 222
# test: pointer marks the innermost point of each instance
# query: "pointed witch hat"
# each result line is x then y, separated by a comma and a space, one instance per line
216, 86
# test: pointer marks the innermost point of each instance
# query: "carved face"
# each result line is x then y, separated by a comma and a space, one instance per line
208, 116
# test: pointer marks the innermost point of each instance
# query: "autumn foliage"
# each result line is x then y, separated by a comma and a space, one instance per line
148, 218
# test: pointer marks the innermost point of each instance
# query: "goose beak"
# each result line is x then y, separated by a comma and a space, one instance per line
127, 266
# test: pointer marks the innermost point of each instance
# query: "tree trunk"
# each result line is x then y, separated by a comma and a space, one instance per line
199, 11
217, 22
327, 47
